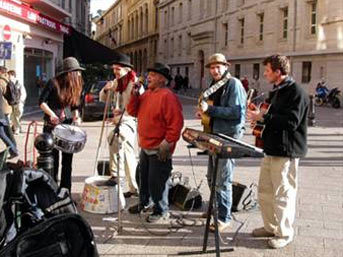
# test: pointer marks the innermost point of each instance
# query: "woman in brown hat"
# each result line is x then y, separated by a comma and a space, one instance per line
59, 101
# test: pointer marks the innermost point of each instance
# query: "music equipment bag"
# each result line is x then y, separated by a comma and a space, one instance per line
64, 235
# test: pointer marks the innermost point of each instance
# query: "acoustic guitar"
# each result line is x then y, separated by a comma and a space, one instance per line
258, 129
205, 118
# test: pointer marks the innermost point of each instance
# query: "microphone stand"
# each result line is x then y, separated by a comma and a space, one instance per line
116, 134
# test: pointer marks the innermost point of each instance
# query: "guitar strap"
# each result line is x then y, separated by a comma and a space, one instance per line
214, 88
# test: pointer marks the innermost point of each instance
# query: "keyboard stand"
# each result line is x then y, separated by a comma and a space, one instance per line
212, 208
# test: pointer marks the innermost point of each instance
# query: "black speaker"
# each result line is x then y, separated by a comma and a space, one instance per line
242, 196
184, 197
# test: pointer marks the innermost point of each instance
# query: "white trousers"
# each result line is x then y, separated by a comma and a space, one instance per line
125, 147
277, 192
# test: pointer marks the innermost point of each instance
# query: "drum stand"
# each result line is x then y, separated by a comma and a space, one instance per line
212, 208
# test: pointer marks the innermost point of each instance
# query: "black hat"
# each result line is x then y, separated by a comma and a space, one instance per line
161, 68
123, 60
69, 64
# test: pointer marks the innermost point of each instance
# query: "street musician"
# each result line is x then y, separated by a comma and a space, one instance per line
226, 116
284, 142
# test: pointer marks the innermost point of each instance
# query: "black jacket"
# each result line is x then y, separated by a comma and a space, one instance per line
285, 131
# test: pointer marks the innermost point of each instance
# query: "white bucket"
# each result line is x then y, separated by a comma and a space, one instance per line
97, 197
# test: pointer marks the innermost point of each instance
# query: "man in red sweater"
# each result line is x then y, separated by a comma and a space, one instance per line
160, 121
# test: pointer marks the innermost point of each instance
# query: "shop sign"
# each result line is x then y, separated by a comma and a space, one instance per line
31, 15
5, 50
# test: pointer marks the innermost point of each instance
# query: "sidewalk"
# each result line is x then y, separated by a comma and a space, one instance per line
319, 216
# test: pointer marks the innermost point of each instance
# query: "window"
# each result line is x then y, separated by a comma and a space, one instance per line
165, 19
202, 7
180, 45
172, 16
261, 20
226, 33
172, 47
224, 5
180, 13
241, 26
306, 72
165, 49
238, 71
285, 23
256, 71
313, 18
70, 5
147, 20
189, 9
189, 43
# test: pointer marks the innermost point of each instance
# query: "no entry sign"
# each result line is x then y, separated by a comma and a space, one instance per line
7, 32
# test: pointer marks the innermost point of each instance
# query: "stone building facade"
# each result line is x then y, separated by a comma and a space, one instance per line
309, 32
131, 27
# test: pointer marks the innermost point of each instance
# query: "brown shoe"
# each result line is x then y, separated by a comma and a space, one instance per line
261, 232
221, 226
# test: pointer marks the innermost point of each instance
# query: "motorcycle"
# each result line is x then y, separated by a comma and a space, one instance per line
326, 96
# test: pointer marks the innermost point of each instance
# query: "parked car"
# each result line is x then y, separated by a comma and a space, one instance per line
91, 107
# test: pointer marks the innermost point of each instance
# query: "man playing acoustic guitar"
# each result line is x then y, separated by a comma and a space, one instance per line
227, 116
284, 142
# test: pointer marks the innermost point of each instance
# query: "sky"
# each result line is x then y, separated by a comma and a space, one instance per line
100, 4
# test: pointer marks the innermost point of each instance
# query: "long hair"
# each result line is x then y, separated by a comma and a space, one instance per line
69, 87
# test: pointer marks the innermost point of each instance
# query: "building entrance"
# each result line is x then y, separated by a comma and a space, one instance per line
37, 70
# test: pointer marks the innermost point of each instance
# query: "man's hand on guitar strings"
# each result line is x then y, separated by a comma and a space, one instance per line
204, 106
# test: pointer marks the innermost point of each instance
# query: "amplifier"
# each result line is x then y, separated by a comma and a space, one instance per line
184, 197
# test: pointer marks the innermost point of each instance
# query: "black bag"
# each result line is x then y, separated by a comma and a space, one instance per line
65, 235
12, 93
243, 197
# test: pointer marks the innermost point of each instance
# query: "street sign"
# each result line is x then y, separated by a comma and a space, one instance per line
5, 50
7, 32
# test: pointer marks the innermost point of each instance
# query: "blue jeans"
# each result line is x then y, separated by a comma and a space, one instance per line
153, 176
223, 186
5, 135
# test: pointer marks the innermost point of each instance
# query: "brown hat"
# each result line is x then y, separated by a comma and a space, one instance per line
217, 58
69, 64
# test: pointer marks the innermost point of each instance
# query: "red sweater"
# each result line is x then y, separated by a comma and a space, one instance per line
159, 114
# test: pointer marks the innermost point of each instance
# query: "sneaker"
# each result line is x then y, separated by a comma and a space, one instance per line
129, 194
279, 242
222, 226
154, 217
261, 232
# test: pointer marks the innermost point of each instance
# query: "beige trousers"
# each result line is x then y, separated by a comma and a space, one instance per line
277, 192
127, 153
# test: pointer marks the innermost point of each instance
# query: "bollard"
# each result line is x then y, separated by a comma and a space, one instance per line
312, 113
44, 143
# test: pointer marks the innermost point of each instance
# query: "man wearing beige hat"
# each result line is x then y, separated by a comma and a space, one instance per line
227, 116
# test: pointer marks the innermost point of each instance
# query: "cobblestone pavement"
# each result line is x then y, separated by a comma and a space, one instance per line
319, 216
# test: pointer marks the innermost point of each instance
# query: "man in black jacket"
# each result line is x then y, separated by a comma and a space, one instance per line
284, 142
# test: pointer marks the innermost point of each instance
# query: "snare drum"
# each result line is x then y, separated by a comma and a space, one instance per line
69, 138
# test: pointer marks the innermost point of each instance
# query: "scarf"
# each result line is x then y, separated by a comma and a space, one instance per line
124, 81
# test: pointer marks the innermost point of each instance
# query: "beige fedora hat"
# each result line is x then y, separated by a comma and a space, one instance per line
217, 58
